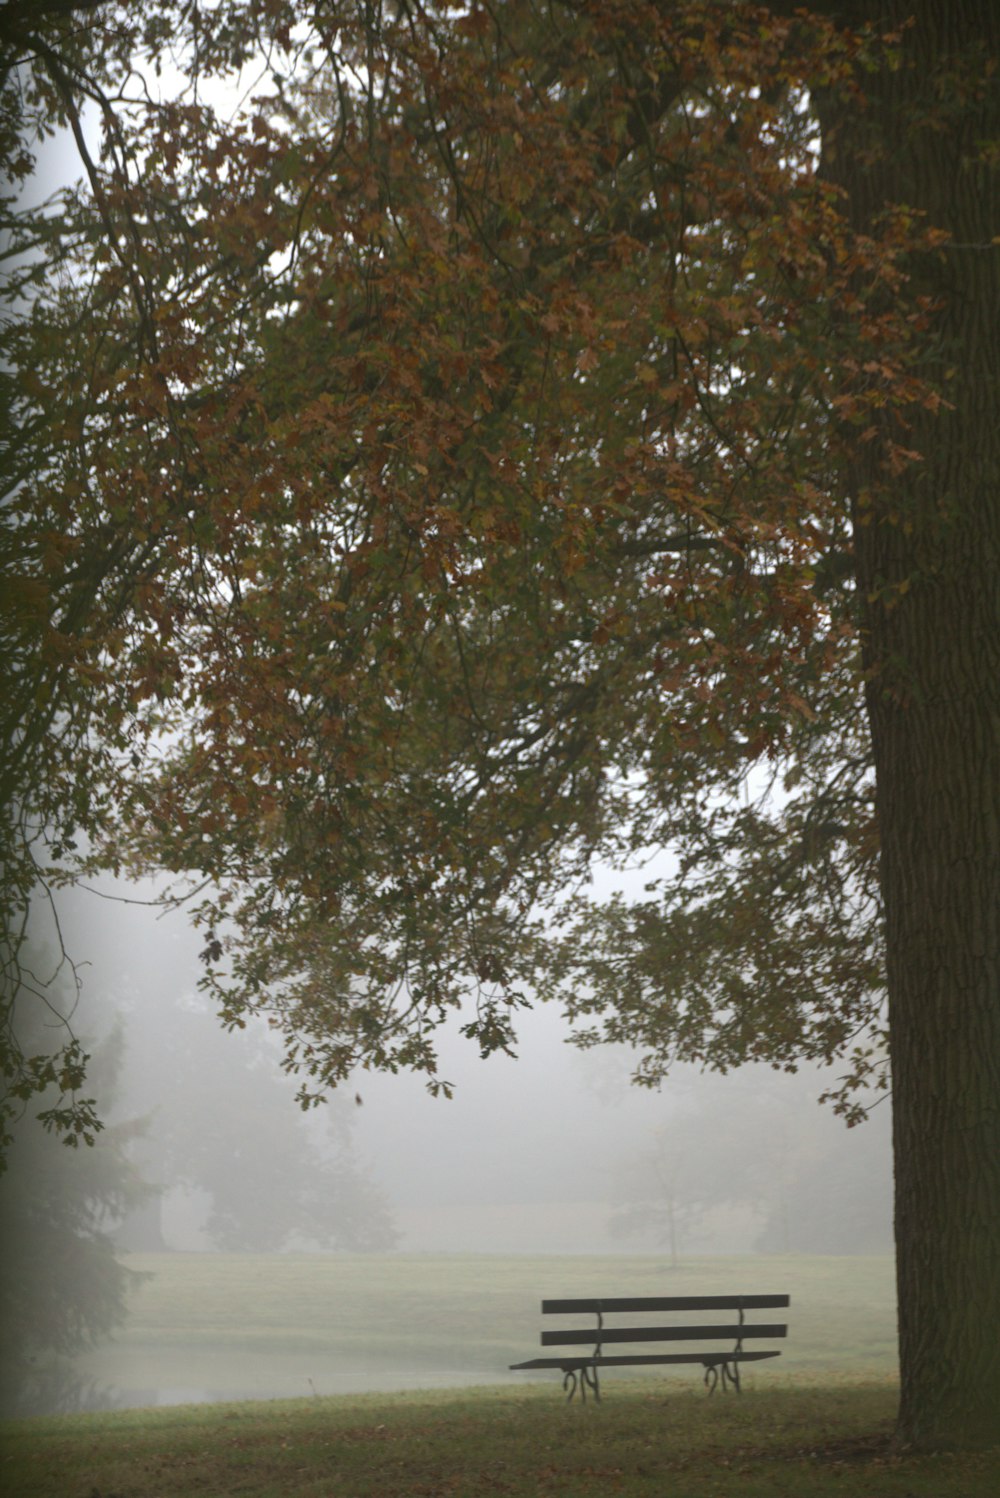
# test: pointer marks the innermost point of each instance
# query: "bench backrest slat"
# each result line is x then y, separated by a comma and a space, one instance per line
577, 1338
664, 1303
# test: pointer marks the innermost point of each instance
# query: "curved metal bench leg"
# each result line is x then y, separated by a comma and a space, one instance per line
581, 1378
728, 1373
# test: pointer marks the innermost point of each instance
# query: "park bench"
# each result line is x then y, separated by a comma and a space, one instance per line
724, 1364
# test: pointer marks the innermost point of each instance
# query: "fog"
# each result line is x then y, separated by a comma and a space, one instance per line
554, 1153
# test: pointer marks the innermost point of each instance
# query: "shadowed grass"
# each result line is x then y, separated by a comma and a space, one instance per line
820, 1439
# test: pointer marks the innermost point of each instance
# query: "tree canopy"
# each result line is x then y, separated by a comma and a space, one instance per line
518, 436
432, 485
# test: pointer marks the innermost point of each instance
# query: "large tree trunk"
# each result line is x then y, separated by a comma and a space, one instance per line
928, 571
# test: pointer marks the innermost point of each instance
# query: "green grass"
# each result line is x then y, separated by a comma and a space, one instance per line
255, 1326
777, 1441
814, 1422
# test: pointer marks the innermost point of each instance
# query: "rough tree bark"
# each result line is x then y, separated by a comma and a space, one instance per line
928, 572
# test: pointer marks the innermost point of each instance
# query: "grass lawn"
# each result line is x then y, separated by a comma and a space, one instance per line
814, 1422
221, 1326
804, 1441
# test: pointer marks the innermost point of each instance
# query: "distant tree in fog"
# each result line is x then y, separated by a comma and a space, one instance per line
667, 1194
836, 1198
810, 1186
264, 1202
62, 1286
225, 1122
272, 1185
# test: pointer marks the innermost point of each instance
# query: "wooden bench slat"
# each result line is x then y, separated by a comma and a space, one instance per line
589, 1335
581, 1370
664, 1303
705, 1358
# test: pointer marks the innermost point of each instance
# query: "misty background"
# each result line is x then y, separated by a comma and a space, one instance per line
552, 1152
388, 1239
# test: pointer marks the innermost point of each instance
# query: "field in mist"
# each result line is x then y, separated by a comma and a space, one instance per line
245, 1326
406, 1243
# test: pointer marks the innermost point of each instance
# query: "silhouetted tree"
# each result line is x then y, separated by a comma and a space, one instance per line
62, 1285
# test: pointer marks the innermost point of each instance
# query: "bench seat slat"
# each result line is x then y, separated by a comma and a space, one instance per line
707, 1358
577, 1337
664, 1303
581, 1368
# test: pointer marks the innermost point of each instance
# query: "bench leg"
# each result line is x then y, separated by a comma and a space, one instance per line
587, 1379
730, 1374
